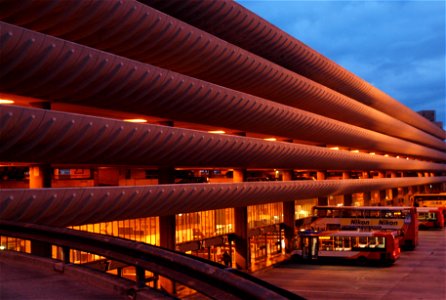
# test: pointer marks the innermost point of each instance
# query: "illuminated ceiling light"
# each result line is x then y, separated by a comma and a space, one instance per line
136, 120
397, 157
334, 148
386, 155
372, 153
270, 139
6, 101
407, 158
217, 131
355, 151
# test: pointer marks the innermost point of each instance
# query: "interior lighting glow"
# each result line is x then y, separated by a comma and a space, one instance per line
386, 155
136, 120
397, 157
217, 131
6, 101
271, 139
355, 151
334, 148
372, 153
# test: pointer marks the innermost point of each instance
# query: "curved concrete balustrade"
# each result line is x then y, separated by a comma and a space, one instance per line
76, 206
211, 279
182, 48
42, 136
236, 24
90, 77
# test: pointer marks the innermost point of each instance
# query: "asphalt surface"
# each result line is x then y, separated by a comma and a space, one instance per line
19, 282
418, 274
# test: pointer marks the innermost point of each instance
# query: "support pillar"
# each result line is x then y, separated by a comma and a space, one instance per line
382, 193
348, 198
421, 188
367, 196
394, 191
288, 216
167, 225
40, 177
321, 200
242, 253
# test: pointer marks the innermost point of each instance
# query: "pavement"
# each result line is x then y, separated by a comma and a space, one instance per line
24, 277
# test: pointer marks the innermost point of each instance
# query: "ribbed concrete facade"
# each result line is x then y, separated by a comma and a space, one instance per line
199, 66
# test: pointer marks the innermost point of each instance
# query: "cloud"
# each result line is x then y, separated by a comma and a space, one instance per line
398, 46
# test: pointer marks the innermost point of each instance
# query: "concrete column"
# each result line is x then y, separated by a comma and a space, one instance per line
407, 194
421, 188
242, 251
289, 209
40, 177
322, 200
167, 225
348, 198
367, 196
394, 191
382, 193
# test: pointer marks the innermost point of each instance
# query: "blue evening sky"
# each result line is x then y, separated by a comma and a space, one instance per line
398, 46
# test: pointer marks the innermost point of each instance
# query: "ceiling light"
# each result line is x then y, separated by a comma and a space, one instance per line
270, 139
217, 131
6, 101
136, 120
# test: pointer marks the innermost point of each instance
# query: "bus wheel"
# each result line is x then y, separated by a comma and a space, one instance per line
361, 261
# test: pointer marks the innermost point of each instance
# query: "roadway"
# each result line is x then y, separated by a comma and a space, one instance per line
418, 274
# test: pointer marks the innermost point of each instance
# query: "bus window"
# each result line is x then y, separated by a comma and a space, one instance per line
363, 242
373, 242
347, 243
338, 243
356, 214
374, 214
326, 243
381, 242
388, 214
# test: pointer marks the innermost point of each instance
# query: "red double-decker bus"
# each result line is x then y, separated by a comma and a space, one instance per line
430, 217
429, 200
361, 247
432, 201
400, 219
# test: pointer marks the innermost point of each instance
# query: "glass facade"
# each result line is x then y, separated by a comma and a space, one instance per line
265, 214
15, 244
144, 230
303, 208
204, 224
264, 230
